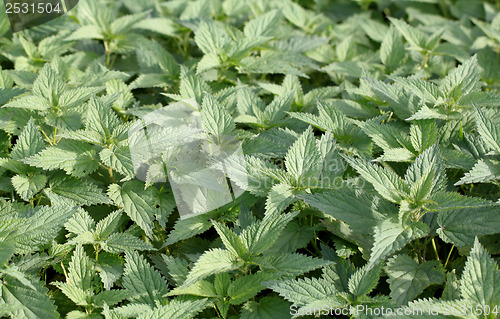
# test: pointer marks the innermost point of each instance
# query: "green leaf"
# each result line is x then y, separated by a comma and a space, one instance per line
425, 90
399, 100
437, 308
214, 117
29, 142
201, 288
144, 283
230, 240
177, 310
110, 297
81, 271
6, 252
136, 202
279, 198
408, 278
48, 84
80, 223
121, 242
423, 134
290, 264
422, 188
80, 191
339, 274
177, 268
392, 51
29, 102
25, 302
293, 237
81, 276
40, 229
462, 80
460, 226
119, 159
364, 280
385, 136
263, 25
414, 36
101, 118
302, 291
84, 136
302, 159
451, 289
8, 93
429, 166
277, 109
269, 307
75, 97
387, 183
110, 268
212, 262
390, 236
245, 287
483, 171
108, 224
163, 25
260, 236
86, 32
27, 186
211, 37
13, 272
192, 86
481, 277
187, 228
124, 23
360, 211
451, 200
75, 158
153, 58
426, 113
488, 130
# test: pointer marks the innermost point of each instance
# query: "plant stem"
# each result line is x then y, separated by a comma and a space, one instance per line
449, 254
108, 53
110, 171
444, 8
64, 271
435, 248
46, 136
217, 311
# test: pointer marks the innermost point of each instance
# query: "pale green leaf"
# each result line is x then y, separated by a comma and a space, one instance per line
408, 279
145, 284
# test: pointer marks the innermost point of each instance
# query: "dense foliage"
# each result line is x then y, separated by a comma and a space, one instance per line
371, 134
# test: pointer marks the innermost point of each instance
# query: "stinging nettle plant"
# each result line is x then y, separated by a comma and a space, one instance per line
366, 172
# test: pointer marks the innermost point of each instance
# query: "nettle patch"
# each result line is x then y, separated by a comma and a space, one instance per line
258, 159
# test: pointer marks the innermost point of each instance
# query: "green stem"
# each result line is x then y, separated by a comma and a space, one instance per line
449, 254
47, 137
444, 8
217, 311
64, 271
39, 199
425, 62
110, 171
435, 248
108, 53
